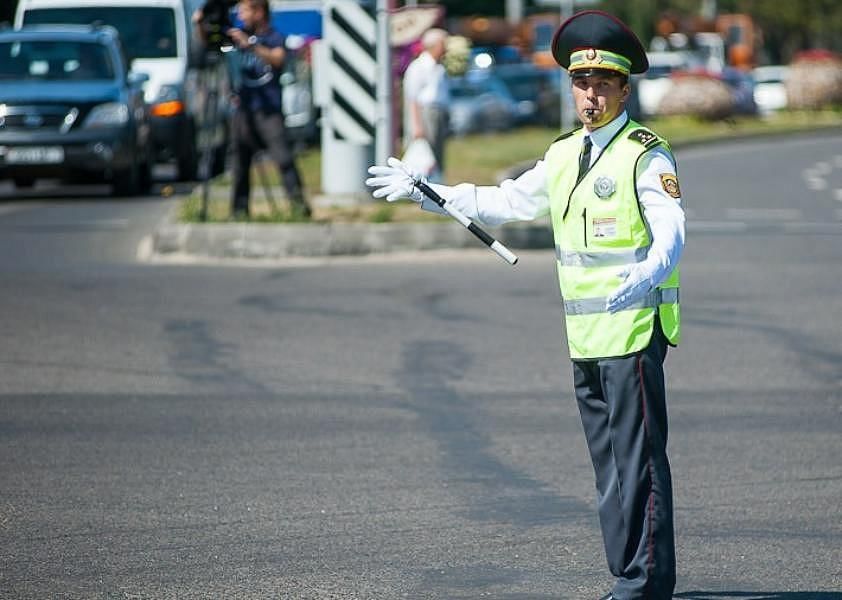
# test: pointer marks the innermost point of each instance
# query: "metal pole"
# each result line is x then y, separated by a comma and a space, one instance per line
208, 92
383, 142
514, 11
568, 116
709, 9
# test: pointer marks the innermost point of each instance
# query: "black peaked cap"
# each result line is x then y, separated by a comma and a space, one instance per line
599, 30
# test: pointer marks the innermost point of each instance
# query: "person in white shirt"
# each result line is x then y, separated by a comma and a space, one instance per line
427, 97
612, 193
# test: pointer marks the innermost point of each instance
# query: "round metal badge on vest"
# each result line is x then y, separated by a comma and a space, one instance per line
604, 187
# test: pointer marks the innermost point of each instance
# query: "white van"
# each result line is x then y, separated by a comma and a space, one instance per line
156, 36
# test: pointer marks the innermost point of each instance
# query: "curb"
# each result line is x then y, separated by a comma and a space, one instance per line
262, 241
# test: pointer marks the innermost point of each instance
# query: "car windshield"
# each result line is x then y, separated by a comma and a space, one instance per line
468, 89
145, 32
474, 86
55, 61
523, 86
657, 71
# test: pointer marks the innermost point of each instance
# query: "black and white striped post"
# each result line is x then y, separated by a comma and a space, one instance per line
356, 103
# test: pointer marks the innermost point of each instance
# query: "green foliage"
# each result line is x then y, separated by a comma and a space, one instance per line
384, 214
787, 26
456, 60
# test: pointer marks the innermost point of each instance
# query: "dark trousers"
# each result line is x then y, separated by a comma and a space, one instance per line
622, 402
435, 120
255, 131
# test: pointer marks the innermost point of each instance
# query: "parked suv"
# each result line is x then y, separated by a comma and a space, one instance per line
71, 109
157, 38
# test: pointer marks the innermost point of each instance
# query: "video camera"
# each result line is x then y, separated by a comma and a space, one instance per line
216, 21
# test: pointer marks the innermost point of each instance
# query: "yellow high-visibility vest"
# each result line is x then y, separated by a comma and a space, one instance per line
598, 229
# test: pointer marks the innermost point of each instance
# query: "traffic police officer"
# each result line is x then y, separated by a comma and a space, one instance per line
612, 194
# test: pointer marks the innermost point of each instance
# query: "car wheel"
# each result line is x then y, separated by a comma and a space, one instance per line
145, 176
24, 182
127, 182
188, 159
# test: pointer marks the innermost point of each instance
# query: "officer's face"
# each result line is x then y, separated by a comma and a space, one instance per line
599, 98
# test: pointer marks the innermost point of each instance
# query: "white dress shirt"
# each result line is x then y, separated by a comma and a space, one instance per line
526, 198
425, 82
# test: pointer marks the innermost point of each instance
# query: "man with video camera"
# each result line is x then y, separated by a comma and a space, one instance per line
258, 120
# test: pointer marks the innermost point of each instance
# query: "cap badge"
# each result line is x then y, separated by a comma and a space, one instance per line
604, 187
593, 56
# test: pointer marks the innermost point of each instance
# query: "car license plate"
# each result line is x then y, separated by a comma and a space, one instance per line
35, 155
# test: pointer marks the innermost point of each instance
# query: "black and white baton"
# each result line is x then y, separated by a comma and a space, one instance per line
489, 241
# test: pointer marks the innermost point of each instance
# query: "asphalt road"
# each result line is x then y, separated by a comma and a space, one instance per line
404, 427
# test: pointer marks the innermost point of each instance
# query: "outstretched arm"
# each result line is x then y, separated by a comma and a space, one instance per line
521, 199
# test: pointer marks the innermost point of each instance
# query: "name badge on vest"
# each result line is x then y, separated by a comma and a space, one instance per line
604, 187
605, 228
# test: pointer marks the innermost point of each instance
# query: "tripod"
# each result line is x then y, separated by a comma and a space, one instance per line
208, 86
209, 83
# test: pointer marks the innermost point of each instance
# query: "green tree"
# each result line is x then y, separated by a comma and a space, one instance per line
787, 27
795, 25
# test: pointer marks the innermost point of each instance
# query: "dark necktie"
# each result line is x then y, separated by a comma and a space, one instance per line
585, 159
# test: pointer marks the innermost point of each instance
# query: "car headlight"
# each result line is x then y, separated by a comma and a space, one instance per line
169, 102
108, 115
168, 93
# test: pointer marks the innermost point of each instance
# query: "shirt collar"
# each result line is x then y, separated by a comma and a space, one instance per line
602, 136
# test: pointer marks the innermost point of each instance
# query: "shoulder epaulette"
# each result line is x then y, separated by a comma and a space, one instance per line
645, 137
564, 136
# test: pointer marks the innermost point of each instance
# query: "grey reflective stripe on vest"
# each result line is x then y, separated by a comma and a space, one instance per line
592, 306
570, 258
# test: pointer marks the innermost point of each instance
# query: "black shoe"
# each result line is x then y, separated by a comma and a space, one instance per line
239, 216
301, 209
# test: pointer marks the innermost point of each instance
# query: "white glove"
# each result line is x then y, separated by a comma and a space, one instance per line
637, 282
395, 181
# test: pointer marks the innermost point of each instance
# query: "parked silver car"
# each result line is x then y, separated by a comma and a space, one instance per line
480, 101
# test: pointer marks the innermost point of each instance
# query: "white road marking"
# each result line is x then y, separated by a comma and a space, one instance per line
816, 184
717, 226
764, 214
823, 168
91, 225
6, 209
812, 228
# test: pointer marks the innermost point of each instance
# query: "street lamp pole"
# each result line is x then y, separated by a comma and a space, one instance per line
568, 115
514, 11
383, 138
